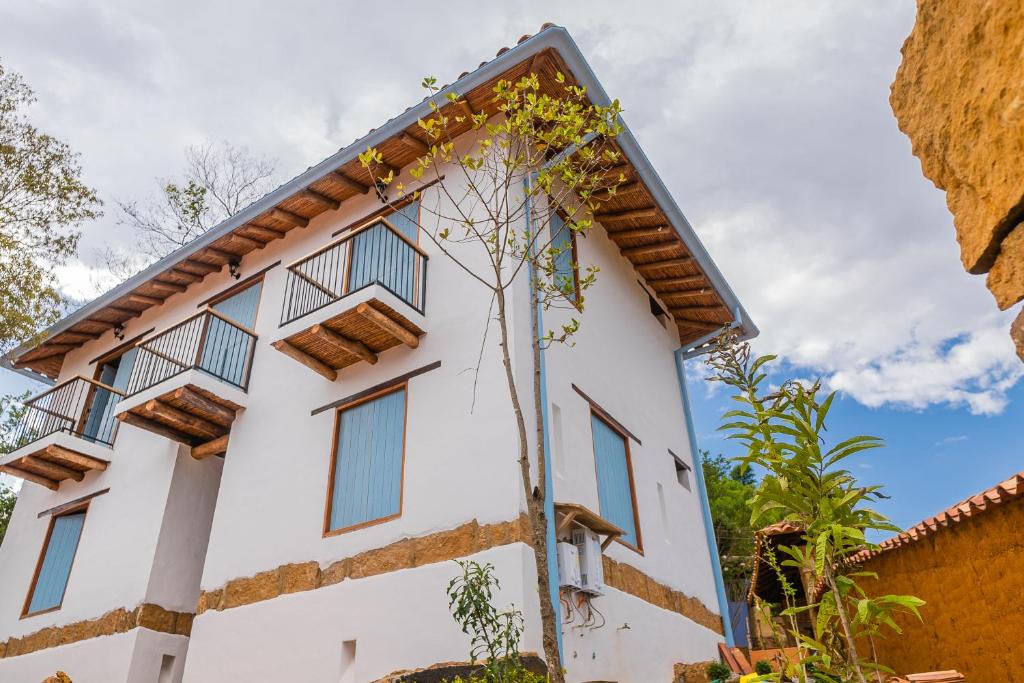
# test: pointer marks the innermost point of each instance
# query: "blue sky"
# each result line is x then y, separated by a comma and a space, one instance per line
769, 123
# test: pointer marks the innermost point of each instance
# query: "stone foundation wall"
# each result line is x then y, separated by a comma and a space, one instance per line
120, 620
970, 576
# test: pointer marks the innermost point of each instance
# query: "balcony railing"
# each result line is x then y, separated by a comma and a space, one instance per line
208, 341
81, 407
377, 253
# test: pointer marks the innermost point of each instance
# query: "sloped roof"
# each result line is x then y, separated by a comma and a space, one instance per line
642, 218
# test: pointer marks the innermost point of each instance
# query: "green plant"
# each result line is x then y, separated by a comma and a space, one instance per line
762, 668
784, 435
717, 671
494, 634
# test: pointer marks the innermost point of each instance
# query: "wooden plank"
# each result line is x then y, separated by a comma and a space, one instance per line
168, 286
321, 199
203, 266
183, 421
77, 337
699, 291
359, 187
156, 428
667, 263
414, 144
54, 511
632, 214
266, 233
227, 256
388, 325
214, 411
144, 299
677, 281
623, 189
649, 249
353, 346
314, 364
288, 217
28, 476
52, 469
212, 447
69, 457
130, 312
635, 233
247, 241
185, 275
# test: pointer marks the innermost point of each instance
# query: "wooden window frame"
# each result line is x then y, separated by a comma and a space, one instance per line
327, 531
614, 426
83, 507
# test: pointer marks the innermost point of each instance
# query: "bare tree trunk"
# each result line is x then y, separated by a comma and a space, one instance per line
534, 495
874, 658
844, 619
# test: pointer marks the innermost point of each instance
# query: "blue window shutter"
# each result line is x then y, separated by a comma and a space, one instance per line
407, 220
56, 568
614, 492
378, 256
565, 271
227, 347
368, 462
100, 425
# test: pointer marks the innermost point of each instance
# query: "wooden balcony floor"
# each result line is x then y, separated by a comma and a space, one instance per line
52, 464
353, 336
190, 415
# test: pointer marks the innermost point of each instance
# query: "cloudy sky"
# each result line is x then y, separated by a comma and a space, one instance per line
769, 122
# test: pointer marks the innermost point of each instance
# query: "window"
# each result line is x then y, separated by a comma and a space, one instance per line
379, 256
226, 351
100, 425
615, 480
366, 472
682, 471
566, 276
54, 568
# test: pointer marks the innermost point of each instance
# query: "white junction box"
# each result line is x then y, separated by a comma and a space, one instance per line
588, 545
569, 566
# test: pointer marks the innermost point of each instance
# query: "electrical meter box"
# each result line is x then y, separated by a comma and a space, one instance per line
588, 545
569, 566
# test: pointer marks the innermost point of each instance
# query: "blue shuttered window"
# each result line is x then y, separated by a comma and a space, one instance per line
378, 256
614, 480
227, 347
48, 591
367, 484
564, 261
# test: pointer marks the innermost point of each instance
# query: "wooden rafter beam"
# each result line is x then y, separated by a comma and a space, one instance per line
185, 275
156, 428
215, 412
264, 232
352, 346
677, 281
650, 249
343, 179
203, 266
52, 469
175, 287
72, 458
631, 214
183, 421
698, 291
247, 241
212, 447
641, 233
415, 144
144, 299
74, 336
51, 350
130, 312
226, 256
288, 217
623, 189
388, 325
666, 263
314, 364
321, 199
29, 476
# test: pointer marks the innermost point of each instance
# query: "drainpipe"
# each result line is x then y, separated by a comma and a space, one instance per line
698, 469
549, 496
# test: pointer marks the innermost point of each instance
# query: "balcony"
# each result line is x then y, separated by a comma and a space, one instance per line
64, 433
353, 299
188, 382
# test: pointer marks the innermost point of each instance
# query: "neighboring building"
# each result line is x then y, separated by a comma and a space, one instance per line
959, 96
265, 449
965, 563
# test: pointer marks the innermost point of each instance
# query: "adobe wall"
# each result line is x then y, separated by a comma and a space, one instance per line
970, 575
959, 96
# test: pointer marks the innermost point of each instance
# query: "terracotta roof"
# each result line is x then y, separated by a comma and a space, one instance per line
1001, 493
643, 219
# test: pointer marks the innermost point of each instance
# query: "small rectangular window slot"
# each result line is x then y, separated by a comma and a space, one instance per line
166, 669
682, 471
348, 662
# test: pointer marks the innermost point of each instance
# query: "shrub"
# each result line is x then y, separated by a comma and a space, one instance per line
717, 671
762, 668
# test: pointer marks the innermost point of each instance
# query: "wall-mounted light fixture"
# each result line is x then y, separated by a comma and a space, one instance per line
382, 190
119, 332
234, 268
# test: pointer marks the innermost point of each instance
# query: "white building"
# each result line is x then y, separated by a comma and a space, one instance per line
202, 481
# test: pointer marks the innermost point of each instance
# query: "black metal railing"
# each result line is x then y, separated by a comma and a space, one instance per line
207, 341
376, 253
79, 406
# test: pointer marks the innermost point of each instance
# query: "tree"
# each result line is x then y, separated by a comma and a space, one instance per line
784, 433
541, 168
730, 488
12, 409
42, 202
219, 180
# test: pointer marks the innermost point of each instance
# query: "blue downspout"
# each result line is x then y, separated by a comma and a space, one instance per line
549, 496
705, 506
